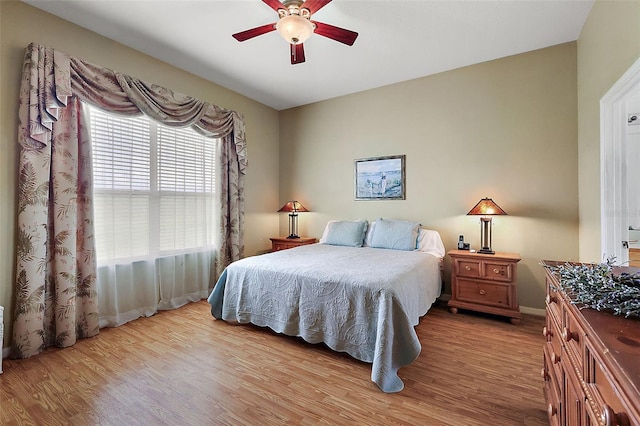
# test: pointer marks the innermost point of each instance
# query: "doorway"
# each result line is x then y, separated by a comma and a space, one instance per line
620, 186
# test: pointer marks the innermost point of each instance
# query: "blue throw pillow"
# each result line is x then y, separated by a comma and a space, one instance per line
346, 233
395, 234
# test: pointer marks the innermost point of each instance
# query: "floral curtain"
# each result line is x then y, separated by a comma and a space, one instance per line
56, 267
231, 208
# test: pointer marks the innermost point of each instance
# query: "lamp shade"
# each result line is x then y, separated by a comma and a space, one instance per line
294, 28
486, 207
293, 206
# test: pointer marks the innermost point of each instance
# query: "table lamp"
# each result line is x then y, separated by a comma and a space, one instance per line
486, 208
293, 207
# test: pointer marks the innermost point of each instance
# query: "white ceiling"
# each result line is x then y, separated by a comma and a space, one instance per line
398, 40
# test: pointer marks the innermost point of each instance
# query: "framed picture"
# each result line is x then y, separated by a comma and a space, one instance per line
380, 178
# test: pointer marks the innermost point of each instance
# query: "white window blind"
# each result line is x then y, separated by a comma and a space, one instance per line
153, 188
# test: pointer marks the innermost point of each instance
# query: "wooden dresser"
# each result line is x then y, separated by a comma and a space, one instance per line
591, 362
485, 283
634, 257
283, 243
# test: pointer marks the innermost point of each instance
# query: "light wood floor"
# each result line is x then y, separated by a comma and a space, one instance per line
183, 367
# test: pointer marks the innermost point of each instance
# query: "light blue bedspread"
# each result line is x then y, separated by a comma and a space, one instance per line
362, 301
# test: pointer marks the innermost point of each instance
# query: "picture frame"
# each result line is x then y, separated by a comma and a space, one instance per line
380, 178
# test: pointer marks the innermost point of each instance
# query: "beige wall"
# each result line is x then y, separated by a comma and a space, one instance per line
608, 45
506, 129
21, 24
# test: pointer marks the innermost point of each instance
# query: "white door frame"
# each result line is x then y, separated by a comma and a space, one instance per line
613, 168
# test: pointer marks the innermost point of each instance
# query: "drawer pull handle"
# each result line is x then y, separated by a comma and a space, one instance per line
482, 292
568, 336
546, 332
550, 299
611, 418
545, 374
497, 271
551, 410
468, 268
555, 358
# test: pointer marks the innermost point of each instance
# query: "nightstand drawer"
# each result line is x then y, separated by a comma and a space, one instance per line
468, 268
284, 243
281, 246
497, 271
483, 293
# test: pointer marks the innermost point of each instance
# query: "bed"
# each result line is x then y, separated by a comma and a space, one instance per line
356, 298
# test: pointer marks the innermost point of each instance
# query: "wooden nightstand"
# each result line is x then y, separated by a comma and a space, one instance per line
485, 283
283, 243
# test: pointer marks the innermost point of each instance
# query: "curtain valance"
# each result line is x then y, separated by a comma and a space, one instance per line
53, 76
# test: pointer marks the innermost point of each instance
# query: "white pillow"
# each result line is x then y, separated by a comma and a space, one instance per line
369, 235
429, 241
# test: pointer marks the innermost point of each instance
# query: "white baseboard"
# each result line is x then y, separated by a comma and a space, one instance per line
533, 311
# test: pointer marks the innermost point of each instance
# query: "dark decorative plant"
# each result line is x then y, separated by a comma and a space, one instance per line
595, 286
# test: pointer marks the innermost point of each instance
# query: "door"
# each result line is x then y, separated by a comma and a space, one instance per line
632, 143
620, 161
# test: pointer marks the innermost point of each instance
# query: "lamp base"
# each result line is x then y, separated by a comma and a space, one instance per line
293, 236
485, 250
485, 236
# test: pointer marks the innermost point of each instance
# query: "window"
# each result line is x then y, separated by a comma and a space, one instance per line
153, 188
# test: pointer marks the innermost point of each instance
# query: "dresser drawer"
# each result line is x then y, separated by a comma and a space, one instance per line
573, 336
553, 348
553, 301
634, 258
468, 268
552, 370
551, 390
609, 408
493, 294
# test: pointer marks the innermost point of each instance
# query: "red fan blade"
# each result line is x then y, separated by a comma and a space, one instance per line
347, 37
314, 5
297, 54
254, 32
274, 4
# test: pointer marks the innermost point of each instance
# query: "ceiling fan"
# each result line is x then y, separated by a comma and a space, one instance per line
296, 26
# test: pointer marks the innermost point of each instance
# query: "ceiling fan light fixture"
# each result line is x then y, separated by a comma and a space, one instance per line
294, 28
